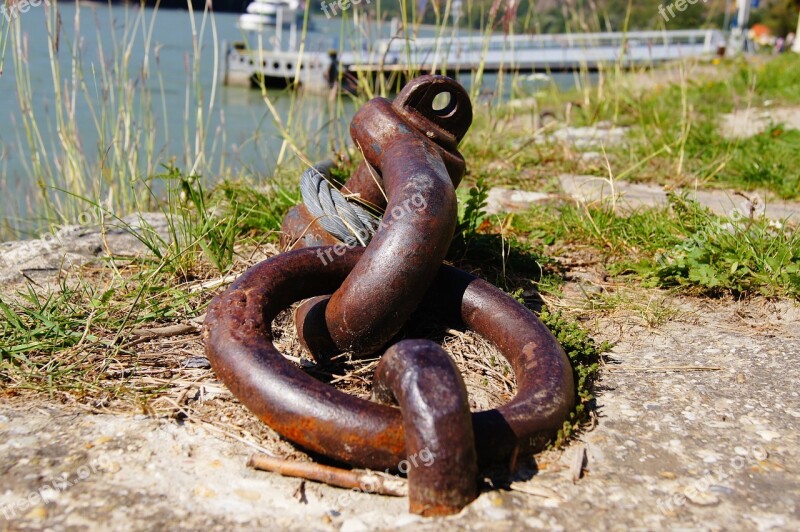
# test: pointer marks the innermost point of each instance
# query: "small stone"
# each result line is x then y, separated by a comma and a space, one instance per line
578, 463
535, 523
110, 467
768, 435
495, 499
709, 457
716, 488
354, 525
39, 513
99, 441
407, 520
247, 495
701, 498
741, 451
497, 514
669, 475
507, 200
197, 363
760, 454
204, 492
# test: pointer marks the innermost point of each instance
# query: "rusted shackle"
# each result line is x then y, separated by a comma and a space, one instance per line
412, 109
320, 418
411, 159
411, 164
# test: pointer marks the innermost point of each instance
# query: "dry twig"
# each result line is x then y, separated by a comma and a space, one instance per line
367, 481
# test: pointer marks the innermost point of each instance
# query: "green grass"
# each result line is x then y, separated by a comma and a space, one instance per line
768, 160
494, 252
673, 138
65, 340
675, 130
585, 355
684, 247
500, 151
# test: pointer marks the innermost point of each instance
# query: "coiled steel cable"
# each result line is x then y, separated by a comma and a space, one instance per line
346, 220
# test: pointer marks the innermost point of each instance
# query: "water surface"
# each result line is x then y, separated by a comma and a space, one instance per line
242, 137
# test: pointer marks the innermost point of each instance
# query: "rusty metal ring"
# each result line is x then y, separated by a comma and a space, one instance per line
422, 378
316, 416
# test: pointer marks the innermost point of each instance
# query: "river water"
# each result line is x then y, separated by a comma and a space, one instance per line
241, 133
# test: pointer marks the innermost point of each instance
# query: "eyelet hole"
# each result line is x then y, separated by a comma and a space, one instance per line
443, 104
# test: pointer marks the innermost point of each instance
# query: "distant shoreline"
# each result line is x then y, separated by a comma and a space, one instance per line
219, 6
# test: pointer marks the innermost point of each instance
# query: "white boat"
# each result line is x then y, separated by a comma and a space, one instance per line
262, 14
263, 8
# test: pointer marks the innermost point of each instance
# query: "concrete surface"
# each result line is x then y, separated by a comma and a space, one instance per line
754, 120
509, 200
73, 245
697, 429
627, 196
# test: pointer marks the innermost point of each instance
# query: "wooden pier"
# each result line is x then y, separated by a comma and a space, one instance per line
456, 54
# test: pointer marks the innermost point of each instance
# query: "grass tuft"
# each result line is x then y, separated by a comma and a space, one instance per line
684, 246
584, 355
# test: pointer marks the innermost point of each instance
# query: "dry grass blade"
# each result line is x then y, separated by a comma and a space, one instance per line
166, 332
666, 368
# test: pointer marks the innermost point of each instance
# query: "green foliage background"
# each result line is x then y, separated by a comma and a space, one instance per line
551, 16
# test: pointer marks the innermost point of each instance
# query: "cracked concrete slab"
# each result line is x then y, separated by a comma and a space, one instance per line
629, 196
745, 123
74, 245
626, 196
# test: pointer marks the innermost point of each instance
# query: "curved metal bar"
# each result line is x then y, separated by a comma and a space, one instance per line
410, 142
442, 464
412, 110
238, 339
399, 264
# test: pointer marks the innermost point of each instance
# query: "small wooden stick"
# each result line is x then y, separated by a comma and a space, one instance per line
366, 481
166, 332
